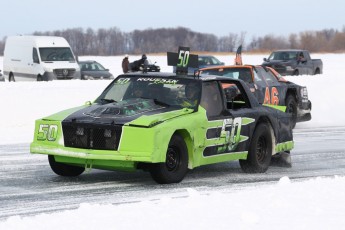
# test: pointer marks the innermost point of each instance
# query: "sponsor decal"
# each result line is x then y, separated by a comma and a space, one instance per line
159, 80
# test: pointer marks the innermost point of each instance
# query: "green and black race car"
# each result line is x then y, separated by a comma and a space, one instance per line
167, 124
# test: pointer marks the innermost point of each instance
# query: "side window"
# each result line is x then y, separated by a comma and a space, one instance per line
306, 56
270, 79
259, 80
211, 99
235, 96
35, 56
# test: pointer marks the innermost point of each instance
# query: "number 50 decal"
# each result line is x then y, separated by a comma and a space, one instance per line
183, 58
47, 132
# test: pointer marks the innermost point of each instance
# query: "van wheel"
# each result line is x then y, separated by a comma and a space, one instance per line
11, 77
39, 78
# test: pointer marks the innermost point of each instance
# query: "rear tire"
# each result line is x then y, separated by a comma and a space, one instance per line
260, 151
175, 167
296, 72
291, 107
317, 71
62, 169
39, 78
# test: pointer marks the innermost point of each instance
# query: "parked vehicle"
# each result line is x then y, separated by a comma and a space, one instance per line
144, 66
92, 70
293, 62
2, 78
269, 88
203, 62
39, 58
166, 124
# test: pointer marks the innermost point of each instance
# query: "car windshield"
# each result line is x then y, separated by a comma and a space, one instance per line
56, 54
91, 66
179, 93
208, 60
283, 55
243, 74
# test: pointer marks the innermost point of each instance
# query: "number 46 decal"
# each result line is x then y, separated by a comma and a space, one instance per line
47, 132
271, 98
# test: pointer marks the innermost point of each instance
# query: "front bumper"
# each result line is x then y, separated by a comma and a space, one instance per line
304, 111
88, 158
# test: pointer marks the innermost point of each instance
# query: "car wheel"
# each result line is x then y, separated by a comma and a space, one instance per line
62, 169
291, 107
296, 72
260, 151
175, 167
317, 71
11, 77
39, 78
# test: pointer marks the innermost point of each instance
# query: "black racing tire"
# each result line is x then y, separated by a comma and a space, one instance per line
260, 151
174, 169
296, 72
11, 77
291, 107
62, 169
39, 78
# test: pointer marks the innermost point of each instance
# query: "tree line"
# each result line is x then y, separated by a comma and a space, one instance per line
110, 42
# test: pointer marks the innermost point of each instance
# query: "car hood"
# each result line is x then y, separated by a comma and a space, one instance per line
133, 112
61, 64
97, 73
274, 62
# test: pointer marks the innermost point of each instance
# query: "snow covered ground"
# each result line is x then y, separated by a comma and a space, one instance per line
286, 204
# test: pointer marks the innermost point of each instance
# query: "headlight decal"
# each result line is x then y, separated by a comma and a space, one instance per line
47, 132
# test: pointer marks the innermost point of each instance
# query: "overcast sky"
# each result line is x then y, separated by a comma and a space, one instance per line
219, 17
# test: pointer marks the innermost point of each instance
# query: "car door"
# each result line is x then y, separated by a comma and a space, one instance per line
228, 126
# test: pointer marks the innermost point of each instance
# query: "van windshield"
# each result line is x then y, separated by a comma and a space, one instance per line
56, 54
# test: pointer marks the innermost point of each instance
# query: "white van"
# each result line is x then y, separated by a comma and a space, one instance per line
39, 58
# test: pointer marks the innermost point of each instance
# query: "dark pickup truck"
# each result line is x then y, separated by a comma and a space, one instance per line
293, 62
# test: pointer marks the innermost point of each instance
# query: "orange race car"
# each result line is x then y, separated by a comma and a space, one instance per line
269, 88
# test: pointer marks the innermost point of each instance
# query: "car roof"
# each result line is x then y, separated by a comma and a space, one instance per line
169, 75
288, 50
205, 55
230, 66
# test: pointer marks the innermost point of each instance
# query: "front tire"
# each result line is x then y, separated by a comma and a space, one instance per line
291, 107
175, 167
62, 169
260, 151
